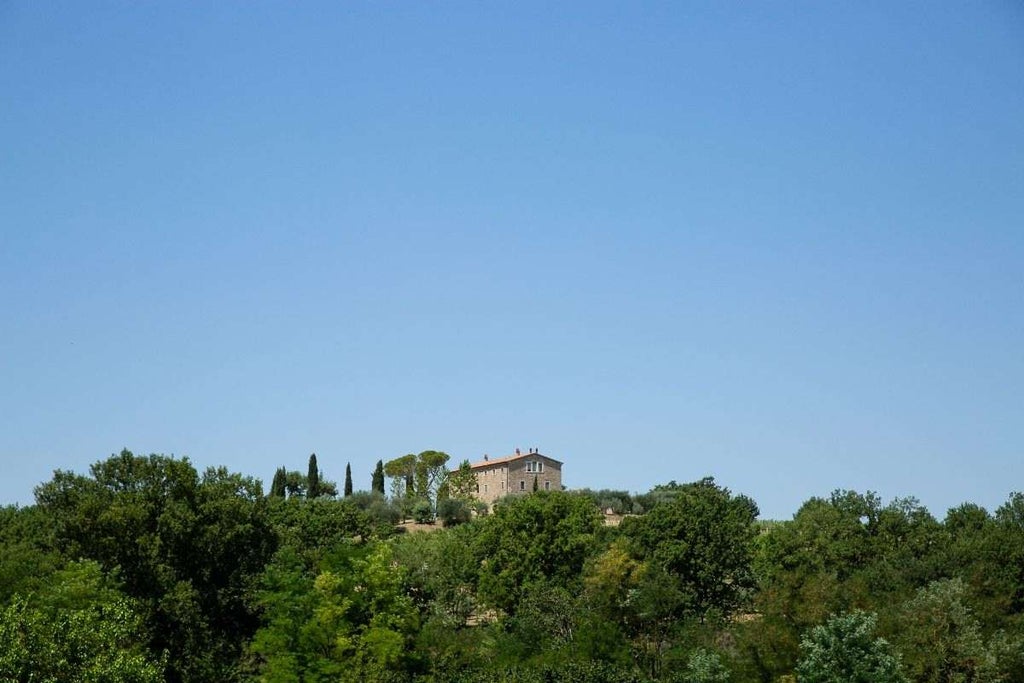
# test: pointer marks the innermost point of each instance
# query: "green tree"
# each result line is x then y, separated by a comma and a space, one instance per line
348, 479
79, 628
1006, 546
903, 551
278, 487
285, 600
545, 626
79, 585
462, 482
809, 567
844, 650
941, 640
67, 647
838, 554
417, 476
703, 666
431, 472
377, 482
657, 611
704, 538
311, 528
610, 581
453, 511
313, 478
186, 548
620, 502
533, 539
422, 512
981, 551
28, 550
353, 622
443, 571
295, 484
402, 472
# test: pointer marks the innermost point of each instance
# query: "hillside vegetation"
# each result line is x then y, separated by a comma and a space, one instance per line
146, 570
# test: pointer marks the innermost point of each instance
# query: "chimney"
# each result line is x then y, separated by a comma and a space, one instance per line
517, 451
486, 458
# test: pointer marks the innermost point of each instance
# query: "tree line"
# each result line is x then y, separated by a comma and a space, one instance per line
147, 570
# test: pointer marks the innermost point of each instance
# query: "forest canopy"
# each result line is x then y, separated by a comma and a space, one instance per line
147, 570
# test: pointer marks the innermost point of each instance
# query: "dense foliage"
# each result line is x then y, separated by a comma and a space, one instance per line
147, 570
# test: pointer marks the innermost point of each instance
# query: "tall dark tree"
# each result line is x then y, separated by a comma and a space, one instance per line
313, 478
348, 479
378, 478
277, 488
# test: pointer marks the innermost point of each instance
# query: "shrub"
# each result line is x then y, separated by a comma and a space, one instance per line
453, 511
423, 513
364, 500
845, 649
616, 505
382, 512
620, 502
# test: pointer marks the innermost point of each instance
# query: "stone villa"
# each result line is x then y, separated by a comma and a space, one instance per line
497, 477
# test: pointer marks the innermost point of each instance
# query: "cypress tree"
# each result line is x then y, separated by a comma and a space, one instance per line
277, 488
313, 478
535, 482
378, 478
348, 479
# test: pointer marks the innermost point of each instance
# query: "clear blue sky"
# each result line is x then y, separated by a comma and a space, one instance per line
777, 243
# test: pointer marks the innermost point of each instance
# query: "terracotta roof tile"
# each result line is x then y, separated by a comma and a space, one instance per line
509, 458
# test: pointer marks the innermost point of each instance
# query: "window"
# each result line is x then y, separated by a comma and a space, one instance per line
547, 486
522, 485
502, 486
485, 488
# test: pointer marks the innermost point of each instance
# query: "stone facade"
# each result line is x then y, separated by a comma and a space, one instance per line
497, 477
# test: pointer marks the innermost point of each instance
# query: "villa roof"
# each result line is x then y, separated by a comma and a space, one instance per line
488, 462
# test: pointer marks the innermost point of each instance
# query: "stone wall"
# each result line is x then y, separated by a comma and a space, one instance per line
516, 476
549, 476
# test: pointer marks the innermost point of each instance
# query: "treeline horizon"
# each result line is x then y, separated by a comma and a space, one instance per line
147, 570
294, 482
